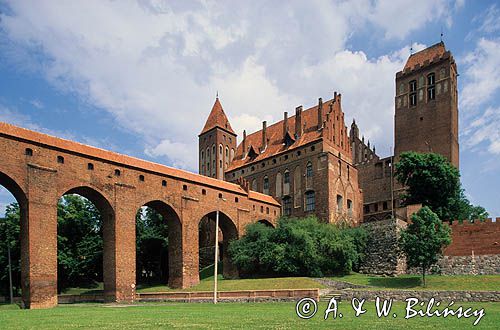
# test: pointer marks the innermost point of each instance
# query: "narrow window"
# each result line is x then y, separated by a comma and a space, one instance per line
90, 166
431, 86
164, 183
309, 170
287, 206
413, 93
349, 207
262, 209
265, 189
340, 201
117, 172
236, 200
141, 178
310, 201
287, 177
203, 191
184, 187
367, 208
254, 185
220, 195
267, 210
376, 207
384, 205
28, 152
60, 159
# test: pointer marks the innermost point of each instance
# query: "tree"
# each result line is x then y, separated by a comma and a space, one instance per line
79, 242
434, 182
9, 236
151, 246
424, 239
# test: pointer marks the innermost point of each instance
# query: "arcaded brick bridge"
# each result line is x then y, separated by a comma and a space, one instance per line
38, 169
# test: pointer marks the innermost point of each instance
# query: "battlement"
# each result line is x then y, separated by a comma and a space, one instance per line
478, 237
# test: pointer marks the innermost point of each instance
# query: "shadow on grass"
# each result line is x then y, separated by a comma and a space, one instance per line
395, 282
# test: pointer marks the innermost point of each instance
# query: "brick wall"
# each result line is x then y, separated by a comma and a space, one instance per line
481, 237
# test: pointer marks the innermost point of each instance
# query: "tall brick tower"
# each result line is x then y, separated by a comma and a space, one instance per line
426, 102
217, 143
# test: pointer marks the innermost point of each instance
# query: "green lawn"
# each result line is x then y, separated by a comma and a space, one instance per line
244, 284
227, 316
434, 282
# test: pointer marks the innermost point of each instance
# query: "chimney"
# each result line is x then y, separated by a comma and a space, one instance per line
285, 124
298, 121
244, 143
320, 113
334, 96
264, 135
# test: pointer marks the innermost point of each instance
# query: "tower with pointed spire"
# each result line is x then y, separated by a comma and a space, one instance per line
217, 143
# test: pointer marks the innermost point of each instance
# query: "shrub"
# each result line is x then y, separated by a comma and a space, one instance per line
298, 247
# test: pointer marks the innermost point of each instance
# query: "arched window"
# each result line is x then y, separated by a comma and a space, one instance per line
413, 93
286, 182
297, 187
265, 188
278, 185
310, 200
232, 155
213, 150
349, 207
254, 185
340, 201
227, 154
309, 170
287, 206
220, 149
431, 86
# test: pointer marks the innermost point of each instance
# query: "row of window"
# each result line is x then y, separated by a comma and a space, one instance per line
286, 181
431, 89
310, 203
210, 160
274, 161
90, 167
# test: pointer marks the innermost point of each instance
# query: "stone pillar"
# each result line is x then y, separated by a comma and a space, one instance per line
39, 240
119, 248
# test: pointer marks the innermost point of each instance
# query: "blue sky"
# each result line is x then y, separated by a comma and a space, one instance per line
140, 77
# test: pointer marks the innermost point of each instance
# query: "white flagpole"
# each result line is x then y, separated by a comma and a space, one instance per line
216, 254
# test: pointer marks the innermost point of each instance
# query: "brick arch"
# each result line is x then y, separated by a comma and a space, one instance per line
107, 213
20, 195
174, 222
266, 223
13, 187
229, 232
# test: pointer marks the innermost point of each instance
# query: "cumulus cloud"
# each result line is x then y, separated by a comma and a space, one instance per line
481, 86
156, 65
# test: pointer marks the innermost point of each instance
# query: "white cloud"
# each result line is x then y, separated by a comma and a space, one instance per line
155, 65
482, 74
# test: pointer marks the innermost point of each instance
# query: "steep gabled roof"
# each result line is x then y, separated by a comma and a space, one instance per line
217, 118
427, 54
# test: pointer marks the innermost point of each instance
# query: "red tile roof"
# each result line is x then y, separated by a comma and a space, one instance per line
427, 54
105, 155
217, 118
275, 144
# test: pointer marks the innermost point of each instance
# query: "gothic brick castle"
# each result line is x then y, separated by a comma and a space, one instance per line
312, 164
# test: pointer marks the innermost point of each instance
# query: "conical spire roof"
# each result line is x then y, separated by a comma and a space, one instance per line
217, 118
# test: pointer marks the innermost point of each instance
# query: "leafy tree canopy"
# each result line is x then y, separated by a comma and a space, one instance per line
434, 182
424, 239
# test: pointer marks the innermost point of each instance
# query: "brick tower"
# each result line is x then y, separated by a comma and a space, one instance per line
217, 143
426, 104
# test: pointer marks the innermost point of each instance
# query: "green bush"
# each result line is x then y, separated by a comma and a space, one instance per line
298, 247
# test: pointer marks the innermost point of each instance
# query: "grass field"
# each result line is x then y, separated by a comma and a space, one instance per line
410, 282
227, 316
244, 284
434, 282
